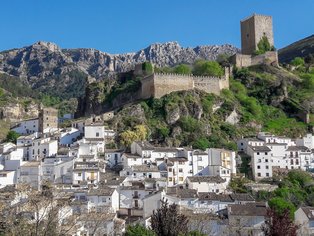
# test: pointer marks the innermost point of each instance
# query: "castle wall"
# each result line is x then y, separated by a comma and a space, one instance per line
158, 85
148, 87
240, 60
207, 84
167, 83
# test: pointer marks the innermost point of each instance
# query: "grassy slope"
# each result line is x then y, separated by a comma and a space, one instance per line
255, 94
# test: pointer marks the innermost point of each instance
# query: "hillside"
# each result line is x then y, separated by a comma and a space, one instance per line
64, 73
259, 99
301, 48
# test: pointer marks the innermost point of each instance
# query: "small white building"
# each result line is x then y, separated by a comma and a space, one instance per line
103, 199
141, 171
68, 136
7, 178
31, 173
207, 184
304, 217
27, 126
261, 161
43, 147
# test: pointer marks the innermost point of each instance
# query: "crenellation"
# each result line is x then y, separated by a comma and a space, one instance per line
160, 84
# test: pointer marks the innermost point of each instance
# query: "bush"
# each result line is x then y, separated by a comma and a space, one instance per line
208, 68
264, 46
298, 61
189, 124
182, 69
12, 136
201, 143
148, 68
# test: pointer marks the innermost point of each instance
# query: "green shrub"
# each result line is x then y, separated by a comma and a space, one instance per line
207, 68
182, 69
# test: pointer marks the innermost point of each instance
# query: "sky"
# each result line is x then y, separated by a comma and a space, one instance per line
121, 26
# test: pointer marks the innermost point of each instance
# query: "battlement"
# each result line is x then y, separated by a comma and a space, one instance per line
255, 15
159, 84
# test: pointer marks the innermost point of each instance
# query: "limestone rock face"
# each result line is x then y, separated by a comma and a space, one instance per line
16, 111
172, 115
233, 118
43, 64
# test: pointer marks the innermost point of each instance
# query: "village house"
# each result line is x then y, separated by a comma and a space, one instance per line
304, 217
206, 184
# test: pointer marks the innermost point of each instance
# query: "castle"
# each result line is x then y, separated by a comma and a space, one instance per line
253, 29
158, 85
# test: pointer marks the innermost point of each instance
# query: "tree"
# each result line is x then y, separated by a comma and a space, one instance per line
12, 136
141, 132
136, 230
128, 137
183, 69
167, 221
298, 61
279, 224
264, 46
148, 68
201, 143
280, 205
208, 68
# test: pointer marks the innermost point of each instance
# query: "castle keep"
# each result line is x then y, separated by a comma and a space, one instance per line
253, 29
158, 85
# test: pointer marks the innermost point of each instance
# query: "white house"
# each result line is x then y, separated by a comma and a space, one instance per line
57, 169
207, 184
27, 126
141, 171
307, 141
304, 217
7, 178
261, 161
177, 170
43, 147
68, 136
113, 157
31, 173
103, 199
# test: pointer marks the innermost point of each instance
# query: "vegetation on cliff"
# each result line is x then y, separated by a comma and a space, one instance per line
260, 98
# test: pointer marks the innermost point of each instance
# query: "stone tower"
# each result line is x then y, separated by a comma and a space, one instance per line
48, 119
253, 29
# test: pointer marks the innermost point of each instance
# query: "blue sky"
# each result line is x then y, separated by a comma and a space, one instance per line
120, 26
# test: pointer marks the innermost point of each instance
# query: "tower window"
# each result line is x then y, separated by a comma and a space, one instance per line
247, 35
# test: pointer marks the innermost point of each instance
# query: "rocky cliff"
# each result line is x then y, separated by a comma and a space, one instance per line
48, 68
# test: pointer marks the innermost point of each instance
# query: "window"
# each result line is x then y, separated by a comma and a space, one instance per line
266, 160
267, 167
259, 160
258, 167
170, 178
291, 162
297, 161
199, 158
267, 174
181, 163
170, 169
259, 174
257, 153
79, 174
180, 170
266, 153
180, 178
217, 190
97, 134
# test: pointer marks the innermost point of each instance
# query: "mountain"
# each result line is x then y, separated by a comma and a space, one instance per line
301, 48
63, 72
